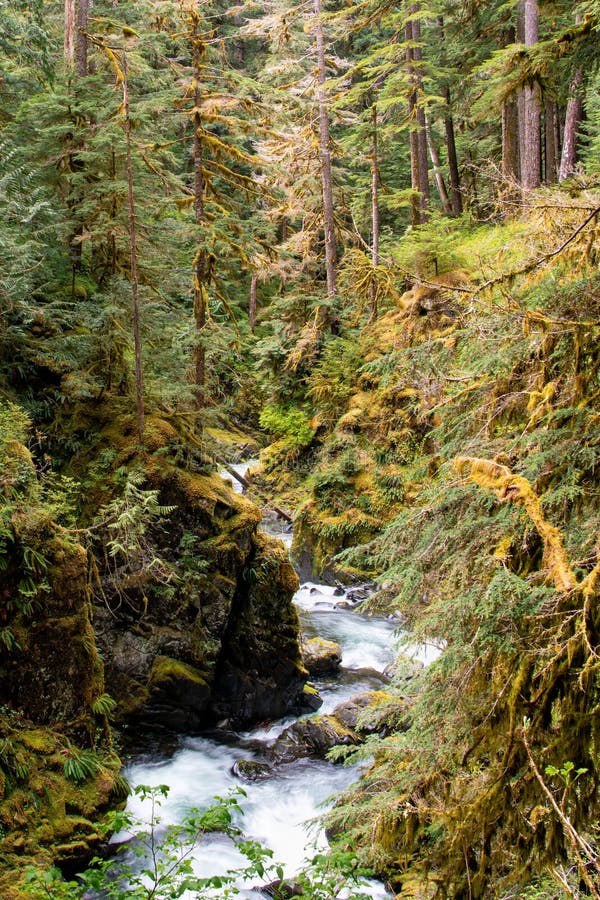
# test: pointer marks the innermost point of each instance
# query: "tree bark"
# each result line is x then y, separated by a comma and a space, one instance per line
422, 130
437, 171
252, 304
325, 154
137, 340
573, 119
201, 260
374, 207
521, 92
455, 188
510, 140
510, 130
82, 39
70, 32
455, 191
550, 144
416, 113
531, 159
415, 214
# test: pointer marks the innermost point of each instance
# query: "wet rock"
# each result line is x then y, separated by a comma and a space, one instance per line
311, 699
250, 770
403, 669
350, 713
360, 593
311, 737
281, 890
260, 674
320, 656
177, 694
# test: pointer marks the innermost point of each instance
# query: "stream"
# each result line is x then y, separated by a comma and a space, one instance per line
278, 810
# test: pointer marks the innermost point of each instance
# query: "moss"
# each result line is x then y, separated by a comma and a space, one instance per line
38, 740
310, 690
166, 670
47, 818
232, 442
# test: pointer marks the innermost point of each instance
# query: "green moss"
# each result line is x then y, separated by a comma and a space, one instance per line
166, 669
46, 818
38, 740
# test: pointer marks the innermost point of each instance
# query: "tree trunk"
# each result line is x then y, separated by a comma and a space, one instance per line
137, 341
82, 38
510, 130
573, 119
415, 206
437, 172
416, 114
455, 188
325, 153
70, 32
550, 144
252, 304
510, 140
455, 191
374, 207
521, 92
201, 261
530, 161
422, 131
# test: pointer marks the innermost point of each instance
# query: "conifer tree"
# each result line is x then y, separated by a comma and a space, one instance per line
573, 118
530, 124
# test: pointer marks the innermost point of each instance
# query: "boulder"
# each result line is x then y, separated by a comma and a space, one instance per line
250, 770
321, 657
311, 700
315, 737
403, 669
351, 713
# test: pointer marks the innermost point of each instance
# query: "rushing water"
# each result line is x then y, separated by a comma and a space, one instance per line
280, 810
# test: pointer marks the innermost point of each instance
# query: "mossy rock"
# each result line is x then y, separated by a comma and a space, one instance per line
314, 736
46, 818
178, 695
320, 656
374, 711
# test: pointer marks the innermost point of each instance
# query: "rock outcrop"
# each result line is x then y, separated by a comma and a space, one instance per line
215, 637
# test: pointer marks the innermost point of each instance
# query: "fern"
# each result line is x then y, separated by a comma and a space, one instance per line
103, 705
80, 765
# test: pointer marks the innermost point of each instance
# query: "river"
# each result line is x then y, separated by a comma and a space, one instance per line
277, 811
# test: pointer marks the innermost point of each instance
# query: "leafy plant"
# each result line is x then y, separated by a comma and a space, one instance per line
290, 424
80, 765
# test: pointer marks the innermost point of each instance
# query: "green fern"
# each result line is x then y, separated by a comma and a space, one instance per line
103, 705
80, 765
